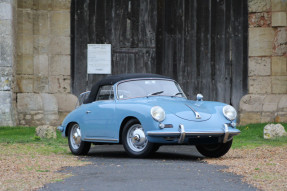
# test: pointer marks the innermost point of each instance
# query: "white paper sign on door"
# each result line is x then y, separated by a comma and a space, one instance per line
99, 59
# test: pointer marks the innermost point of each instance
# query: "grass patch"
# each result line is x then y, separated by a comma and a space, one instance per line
252, 136
25, 140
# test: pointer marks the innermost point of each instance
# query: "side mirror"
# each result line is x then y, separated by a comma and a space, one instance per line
199, 97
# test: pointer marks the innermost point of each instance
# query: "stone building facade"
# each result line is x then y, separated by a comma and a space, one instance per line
267, 98
35, 55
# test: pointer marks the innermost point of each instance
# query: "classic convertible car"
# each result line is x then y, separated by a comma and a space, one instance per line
145, 111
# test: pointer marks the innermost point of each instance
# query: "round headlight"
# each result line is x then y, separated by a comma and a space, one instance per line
229, 112
157, 113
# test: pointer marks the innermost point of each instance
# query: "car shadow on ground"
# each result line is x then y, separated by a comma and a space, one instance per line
164, 153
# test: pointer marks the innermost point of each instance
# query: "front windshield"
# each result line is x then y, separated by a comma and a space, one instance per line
148, 87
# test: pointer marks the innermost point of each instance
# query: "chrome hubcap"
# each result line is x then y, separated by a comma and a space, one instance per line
75, 136
136, 138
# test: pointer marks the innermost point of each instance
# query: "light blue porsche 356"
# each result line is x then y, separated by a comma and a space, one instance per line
145, 111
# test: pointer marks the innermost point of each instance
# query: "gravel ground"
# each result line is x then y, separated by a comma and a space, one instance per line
264, 167
25, 170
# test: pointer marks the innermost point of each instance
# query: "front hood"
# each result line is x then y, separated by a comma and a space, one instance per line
187, 109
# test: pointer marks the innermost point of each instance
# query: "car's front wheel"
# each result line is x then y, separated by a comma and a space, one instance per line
135, 141
77, 146
214, 150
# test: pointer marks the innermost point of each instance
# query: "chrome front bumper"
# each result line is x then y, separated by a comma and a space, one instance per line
182, 134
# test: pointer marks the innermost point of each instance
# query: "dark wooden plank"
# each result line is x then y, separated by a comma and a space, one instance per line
203, 46
237, 52
134, 18
160, 36
80, 45
219, 50
147, 23
179, 51
190, 75
228, 34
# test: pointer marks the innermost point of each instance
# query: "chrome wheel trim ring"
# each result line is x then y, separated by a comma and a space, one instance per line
75, 137
136, 138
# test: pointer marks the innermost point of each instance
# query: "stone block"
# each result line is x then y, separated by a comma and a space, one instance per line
279, 19
267, 117
281, 117
25, 64
280, 42
5, 11
60, 65
6, 74
52, 119
61, 4
249, 118
27, 102
66, 102
25, 22
59, 84
50, 103
270, 103
60, 23
251, 103
272, 131
261, 41
41, 25
25, 44
6, 50
25, 4
279, 66
259, 5
259, 66
279, 84
259, 85
46, 132
6, 27
259, 19
62, 116
282, 105
43, 5
6, 109
60, 45
41, 44
41, 84
41, 65
279, 5
25, 84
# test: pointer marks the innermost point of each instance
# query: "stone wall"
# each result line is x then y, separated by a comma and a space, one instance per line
267, 98
43, 62
7, 58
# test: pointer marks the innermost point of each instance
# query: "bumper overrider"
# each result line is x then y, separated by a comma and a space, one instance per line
181, 134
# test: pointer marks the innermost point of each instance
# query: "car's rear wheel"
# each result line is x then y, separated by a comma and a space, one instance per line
214, 150
76, 145
134, 139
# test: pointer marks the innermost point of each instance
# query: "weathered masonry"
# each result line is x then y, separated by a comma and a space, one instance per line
228, 50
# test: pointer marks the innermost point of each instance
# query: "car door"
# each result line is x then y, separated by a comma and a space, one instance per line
99, 119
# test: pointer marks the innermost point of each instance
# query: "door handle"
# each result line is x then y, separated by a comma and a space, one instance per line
87, 112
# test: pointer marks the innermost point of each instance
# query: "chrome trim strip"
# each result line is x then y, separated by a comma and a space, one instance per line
226, 133
182, 134
189, 133
197, 116
100, 139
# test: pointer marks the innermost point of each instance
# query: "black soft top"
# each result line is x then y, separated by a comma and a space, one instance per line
111, 80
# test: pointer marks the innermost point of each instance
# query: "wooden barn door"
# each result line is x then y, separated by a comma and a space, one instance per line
200, 43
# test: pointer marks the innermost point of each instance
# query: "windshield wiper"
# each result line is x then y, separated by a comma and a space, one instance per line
155, 93
178, 93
